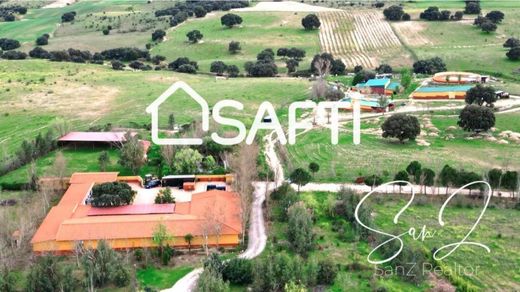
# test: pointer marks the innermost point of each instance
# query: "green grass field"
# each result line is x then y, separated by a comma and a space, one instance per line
258, 31
161, 278
40, 93
344, 162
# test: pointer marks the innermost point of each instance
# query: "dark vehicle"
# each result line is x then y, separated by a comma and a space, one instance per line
153, 183
215, 187
502, 94
177, 181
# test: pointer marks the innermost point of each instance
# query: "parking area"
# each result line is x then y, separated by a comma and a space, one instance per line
147, 196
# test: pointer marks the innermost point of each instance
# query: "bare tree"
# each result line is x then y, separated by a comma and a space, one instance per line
322, 66
132, 153
168, 155
243, 163
319, 89
59, 168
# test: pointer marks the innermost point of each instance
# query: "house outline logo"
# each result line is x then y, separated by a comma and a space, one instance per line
153, 109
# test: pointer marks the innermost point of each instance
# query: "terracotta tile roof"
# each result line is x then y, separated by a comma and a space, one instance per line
93, 177
70, 220
140, 209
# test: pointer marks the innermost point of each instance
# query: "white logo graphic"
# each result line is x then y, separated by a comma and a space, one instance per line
266, 109
153, 109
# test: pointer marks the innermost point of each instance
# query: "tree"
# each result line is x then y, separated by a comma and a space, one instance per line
106, 31
211, 281
161, 237
39, 53
112, 194
238, 271
514, 54
234, 47
511, 43
265, 56
401, 175
9, 44
42, 40
132, 153
116, 65
510, 181
199, 11
363, 76
158, 35
194, 36
393, 13
187, 161
102, 266
414, 169
495, 16
406, 78
299, 229
427, 177
448, 177
314, 167
300, 177
291, 65
103, 160
488, 26
429, 66
406, 17
188, 238
311, 21
230, 20
44, 275
384, 68
7, 280
472, 7
401, 126
296, 54
187, 68
458, 15
495, 179
481, 94
474, 118
373, 181
337, 67
218, 67
232, 71
68, 16
431, 13
171, 121
164, 196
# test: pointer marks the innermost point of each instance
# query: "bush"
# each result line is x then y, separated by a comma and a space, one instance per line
158, 35
187, 68
116, 65
125, 54
9, 44
68, 16
514, 54
121, 276
106, 31
199, 11
238, 271
175, 65
14, 55
511, 43
232, 71
42, 40
472, 7
234, 47
194, 36
327, 272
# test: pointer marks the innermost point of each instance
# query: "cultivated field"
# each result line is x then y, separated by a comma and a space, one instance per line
361, 37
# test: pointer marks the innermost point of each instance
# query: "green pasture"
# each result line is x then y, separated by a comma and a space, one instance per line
375, 155
258, 31
40, 93
161, 278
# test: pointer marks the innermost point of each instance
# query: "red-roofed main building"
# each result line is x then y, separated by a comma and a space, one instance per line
73, 221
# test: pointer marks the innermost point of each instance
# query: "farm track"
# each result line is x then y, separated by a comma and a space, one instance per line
358, 38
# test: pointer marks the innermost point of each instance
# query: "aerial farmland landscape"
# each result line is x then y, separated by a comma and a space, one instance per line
222, 145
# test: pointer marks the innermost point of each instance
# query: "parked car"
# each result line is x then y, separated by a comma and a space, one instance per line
153, 183
502, 94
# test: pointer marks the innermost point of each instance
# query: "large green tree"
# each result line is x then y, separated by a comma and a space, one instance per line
481, 94
187, 161
132, 153
230, 20
300, 177
311, 21
112, 194
474, 118
402, 127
